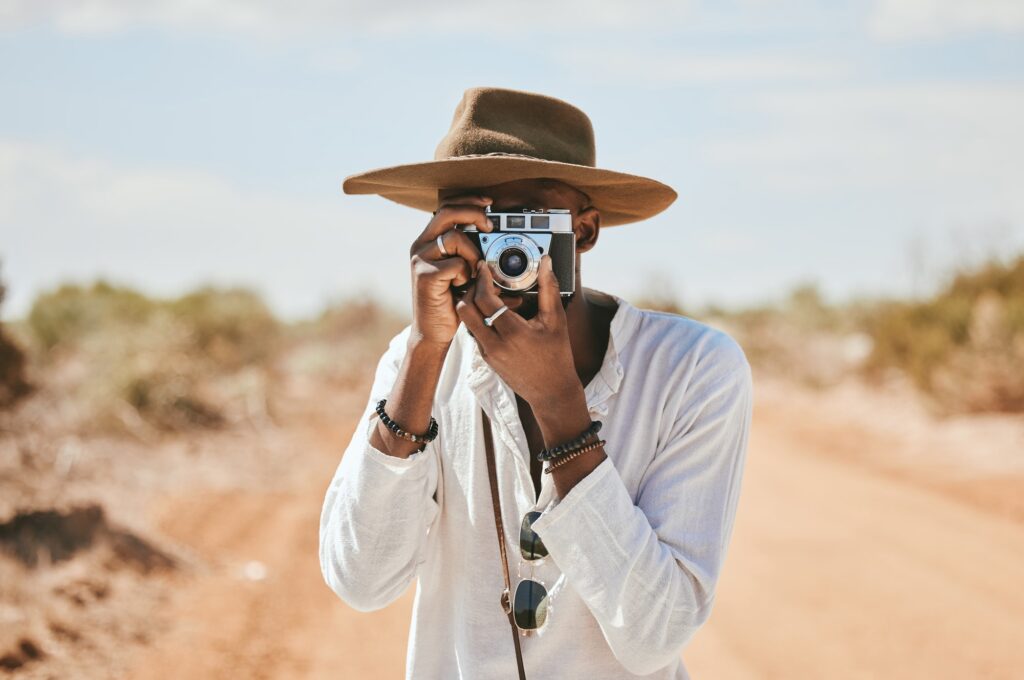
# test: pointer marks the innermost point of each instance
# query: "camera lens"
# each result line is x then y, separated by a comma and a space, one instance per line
513, 262
514, 259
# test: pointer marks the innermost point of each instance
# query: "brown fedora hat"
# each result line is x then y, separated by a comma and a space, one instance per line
499, 135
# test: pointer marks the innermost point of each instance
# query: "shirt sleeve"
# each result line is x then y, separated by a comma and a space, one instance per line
648, 571
378, 508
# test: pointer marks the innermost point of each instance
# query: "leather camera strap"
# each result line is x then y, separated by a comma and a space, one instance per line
506, 602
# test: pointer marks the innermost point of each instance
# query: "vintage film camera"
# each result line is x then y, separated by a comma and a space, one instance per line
513, 250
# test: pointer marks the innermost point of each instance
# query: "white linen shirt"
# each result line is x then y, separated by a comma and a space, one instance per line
635, 548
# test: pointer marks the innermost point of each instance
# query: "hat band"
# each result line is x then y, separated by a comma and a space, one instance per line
495, 153
506, 154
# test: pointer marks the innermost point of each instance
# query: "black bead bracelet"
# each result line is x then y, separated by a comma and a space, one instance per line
568, 447
564, 460
393, 426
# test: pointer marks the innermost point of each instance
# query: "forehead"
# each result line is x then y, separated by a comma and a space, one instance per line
525, 192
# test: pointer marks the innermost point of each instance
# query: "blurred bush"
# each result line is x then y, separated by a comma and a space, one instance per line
962, 347
13, 383
131, 362
341, 347
119, 360
68, 314
233, 328
965, 345
113, 360
802, 337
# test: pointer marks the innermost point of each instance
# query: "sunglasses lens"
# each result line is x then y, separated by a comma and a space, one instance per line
529, 542
531, 605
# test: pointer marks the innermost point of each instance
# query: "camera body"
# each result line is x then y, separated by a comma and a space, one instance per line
519, 239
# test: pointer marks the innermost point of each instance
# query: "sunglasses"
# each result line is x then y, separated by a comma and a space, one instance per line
530, 605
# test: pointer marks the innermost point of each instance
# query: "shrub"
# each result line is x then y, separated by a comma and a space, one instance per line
965, 346
234, 328
71, 312
13, 383
125, 358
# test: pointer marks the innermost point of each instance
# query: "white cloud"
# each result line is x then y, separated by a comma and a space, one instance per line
667, 68
69, 218
899, 20
288, 17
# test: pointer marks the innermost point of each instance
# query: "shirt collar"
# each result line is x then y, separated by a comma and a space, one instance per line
488, 385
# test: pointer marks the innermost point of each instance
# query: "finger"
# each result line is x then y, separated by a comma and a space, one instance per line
456, 244
463, 272
549, 298
448, 216
488, 301
471, 316
465, 288
453, 271
486, 296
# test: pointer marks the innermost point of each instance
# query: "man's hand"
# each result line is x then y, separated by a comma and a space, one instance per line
533, 356
433, 273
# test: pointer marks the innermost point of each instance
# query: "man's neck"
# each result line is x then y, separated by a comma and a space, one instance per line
589, 321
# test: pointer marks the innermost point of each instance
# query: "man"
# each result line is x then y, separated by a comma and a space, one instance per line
616, 553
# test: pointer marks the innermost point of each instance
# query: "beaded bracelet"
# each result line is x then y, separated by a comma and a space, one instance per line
393, 426
569, 456
555, 451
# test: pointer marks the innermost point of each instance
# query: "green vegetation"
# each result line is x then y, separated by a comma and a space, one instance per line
13, 383
232, 327
965, 345
68, 314
118, 360
132, 361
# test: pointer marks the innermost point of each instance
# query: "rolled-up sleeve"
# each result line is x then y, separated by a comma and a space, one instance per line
648, 571
378, 508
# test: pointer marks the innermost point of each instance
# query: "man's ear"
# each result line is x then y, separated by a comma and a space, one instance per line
588, 226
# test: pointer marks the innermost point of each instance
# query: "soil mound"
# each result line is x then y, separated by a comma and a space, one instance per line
44, 537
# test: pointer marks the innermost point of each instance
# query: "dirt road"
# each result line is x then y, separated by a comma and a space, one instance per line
839, 568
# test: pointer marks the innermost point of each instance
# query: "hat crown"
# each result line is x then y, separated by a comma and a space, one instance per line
498, 121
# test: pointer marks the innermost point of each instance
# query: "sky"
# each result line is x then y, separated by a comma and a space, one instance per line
864, 147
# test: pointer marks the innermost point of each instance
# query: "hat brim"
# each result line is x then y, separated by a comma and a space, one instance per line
620, 197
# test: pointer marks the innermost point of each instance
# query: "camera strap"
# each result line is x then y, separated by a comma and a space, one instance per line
506, 603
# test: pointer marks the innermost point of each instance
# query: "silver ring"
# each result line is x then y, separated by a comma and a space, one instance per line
489, 321
440, 245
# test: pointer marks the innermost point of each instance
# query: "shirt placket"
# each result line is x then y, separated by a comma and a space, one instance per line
498, 400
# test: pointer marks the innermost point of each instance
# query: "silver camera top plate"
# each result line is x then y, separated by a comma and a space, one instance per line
553, 220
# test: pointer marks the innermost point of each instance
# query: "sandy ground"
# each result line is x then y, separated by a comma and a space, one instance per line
853, 557
840, 569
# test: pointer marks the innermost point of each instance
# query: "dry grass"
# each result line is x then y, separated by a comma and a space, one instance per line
132, 363
964, 346
112, 360
14, 384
